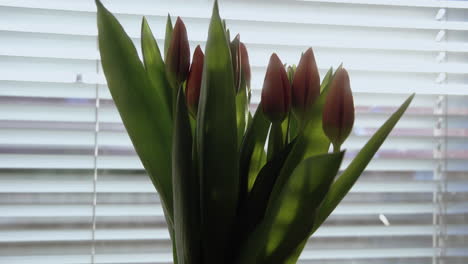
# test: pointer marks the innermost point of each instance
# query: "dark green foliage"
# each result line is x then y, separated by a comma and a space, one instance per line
223, 202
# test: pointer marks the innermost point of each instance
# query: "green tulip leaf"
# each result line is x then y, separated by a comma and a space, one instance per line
138, 103
217, 145
346, 180
291, 216
276, 139
226, 30
350, 175
310, 141
185, 189
168, 36
249, 119
252, 152
292, 129
318, 141
242, 113
155, 68
254, 207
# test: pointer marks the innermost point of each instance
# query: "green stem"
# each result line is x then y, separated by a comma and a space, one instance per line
275, 140
288, 136
174, 96
336, 148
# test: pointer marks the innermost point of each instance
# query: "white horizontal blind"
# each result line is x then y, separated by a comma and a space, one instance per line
410, 206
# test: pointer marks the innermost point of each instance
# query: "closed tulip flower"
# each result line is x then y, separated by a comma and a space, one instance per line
276, 93
192, 91
306, 84
178, 55
338, 111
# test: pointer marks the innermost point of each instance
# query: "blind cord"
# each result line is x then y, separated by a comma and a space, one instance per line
440, 151
95, 168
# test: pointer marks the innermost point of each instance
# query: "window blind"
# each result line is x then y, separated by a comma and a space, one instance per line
72, 189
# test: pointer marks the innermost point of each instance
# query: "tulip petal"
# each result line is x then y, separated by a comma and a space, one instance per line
338, 111
306, 85
310, 141
276, 91
178, 55
194, 79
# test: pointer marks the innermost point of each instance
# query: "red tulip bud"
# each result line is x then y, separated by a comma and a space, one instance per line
178, 55
276, 93
338, 111
192, 90
245, 65
306, 84
236, 61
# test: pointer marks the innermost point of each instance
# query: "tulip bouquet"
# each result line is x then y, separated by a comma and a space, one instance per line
234, 187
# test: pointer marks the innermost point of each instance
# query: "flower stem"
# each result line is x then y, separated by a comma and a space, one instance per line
275, 140
336, 148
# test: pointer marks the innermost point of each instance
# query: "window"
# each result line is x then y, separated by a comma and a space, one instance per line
73, 191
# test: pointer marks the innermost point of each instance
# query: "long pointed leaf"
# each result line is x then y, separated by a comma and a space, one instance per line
291, 216
310, 141
138, 104
168, 36
298, 204
242, 113
275, 140
292, 127
254, 207
318, 141
186, 189
217, 145
344, 183
155, 68
252, 153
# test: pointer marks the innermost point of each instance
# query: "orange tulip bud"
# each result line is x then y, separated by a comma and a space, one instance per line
338, 111
192, 91
306, 84
178, 55
245, 65
276, 93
